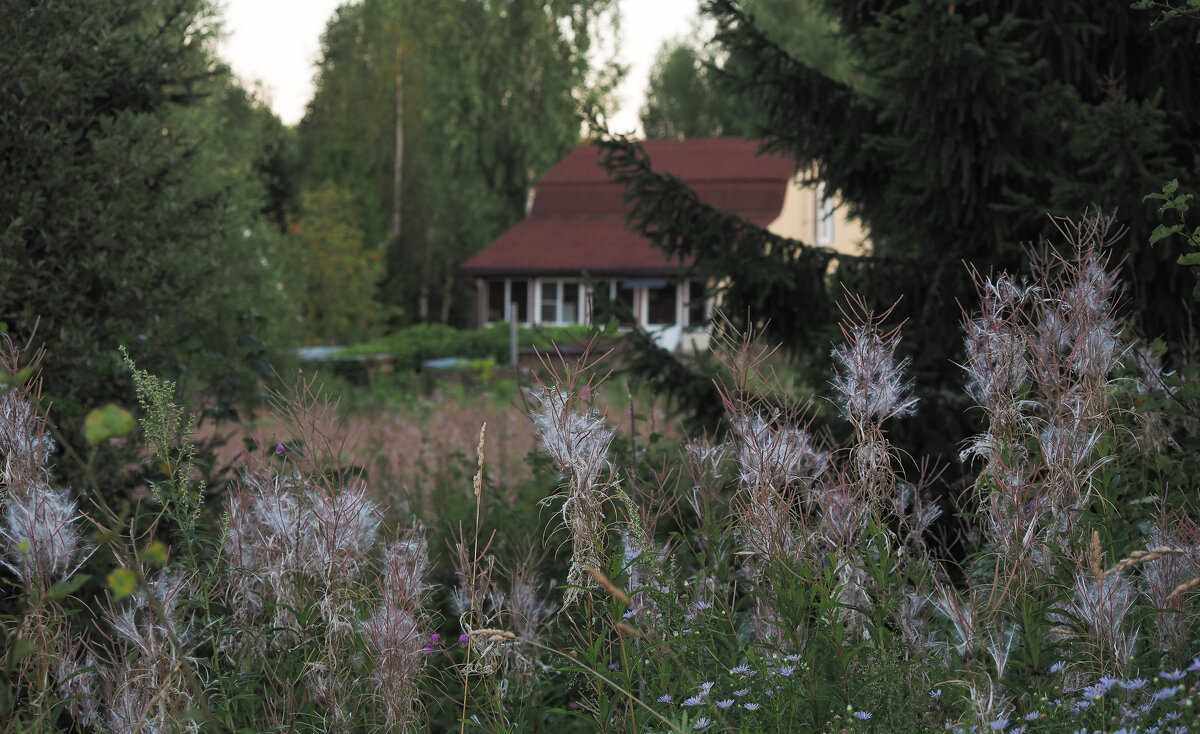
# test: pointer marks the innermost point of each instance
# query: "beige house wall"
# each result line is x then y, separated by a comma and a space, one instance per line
798, 221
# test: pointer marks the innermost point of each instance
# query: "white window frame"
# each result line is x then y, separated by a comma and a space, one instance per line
581, 317
825, 204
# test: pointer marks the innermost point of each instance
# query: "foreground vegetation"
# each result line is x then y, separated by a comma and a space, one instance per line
762, 580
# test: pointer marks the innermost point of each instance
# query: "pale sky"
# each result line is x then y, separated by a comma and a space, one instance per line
276, 43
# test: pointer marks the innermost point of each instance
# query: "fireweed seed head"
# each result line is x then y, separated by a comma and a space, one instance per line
346, 524
869, 382
40, 535
577, 441
25, 447
771, 454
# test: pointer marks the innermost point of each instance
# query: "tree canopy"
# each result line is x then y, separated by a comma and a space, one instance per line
955, 131
481, 97
135, 200
680, 99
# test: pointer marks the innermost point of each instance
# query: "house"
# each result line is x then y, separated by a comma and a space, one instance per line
574, 239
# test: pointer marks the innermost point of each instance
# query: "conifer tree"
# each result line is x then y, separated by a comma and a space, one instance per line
956, 133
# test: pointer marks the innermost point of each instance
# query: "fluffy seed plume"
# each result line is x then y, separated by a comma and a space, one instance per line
578, 443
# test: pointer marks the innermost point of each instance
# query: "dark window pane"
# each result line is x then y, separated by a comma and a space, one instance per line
625, 305
495, 301
520, 295
550, 301
662, 305
570, 302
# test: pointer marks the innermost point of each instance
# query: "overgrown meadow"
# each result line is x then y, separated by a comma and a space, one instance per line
561, 562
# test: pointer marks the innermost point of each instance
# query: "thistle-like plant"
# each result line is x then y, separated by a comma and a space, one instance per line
578, 441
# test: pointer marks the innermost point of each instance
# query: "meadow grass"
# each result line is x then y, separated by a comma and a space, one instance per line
403, 568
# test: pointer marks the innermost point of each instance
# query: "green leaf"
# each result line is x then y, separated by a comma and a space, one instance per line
155, 554
121, 582
21, 649
1192, 258
108, 422
63, 589
1162, 232
18, 379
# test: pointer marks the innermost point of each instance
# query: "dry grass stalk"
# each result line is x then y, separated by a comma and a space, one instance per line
1185, 586
608, 585
1145, 557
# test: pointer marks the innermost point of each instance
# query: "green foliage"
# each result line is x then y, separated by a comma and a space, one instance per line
964, 125
135, 197
413, 345
681, 101
168, 432
108, 422
480, 97
1175, 206
1169, 10
340, 272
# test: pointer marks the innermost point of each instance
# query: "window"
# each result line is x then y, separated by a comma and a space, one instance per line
560, 302
505, 295
824, 216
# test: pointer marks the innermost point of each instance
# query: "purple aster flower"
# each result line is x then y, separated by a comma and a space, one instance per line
706, 688
1195, 666
1032, 715
1057, 667
936, 693
280, 450
750, 706
693, 701
724, 703
1134, 684
702, 722
741, 692
665, 698
787, 671
999, 724
1166, 693
1173, 675
862, 715
742, 669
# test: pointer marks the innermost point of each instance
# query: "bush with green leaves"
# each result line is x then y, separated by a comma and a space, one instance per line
413, 345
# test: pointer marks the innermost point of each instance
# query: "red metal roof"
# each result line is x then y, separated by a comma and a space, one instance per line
577, 223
